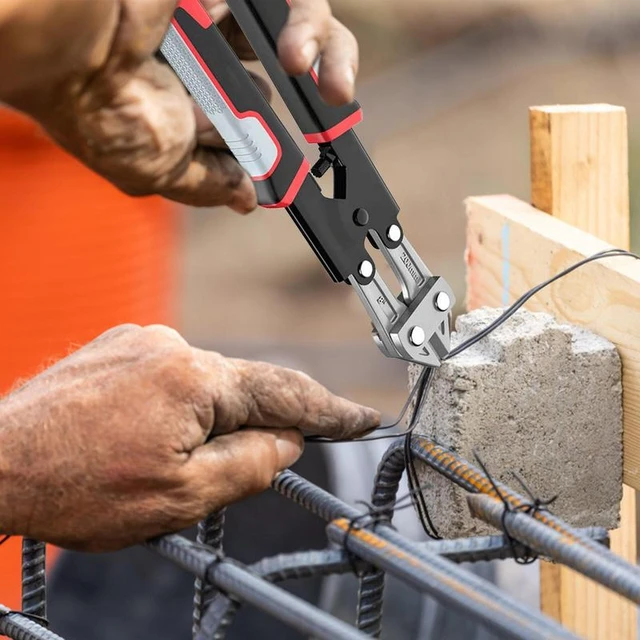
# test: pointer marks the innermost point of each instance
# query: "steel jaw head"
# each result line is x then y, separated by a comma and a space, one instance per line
422, 333
415, 326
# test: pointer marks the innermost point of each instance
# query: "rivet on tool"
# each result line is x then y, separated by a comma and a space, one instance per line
442, 301
416, 336
361, 217
394, 233
365, 269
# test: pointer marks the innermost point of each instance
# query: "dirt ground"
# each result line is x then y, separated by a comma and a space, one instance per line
442, 122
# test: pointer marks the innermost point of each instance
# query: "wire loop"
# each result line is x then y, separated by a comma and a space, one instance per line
536, 505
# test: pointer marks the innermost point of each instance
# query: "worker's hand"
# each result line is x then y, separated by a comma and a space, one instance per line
101, 93
139, 434
310, 32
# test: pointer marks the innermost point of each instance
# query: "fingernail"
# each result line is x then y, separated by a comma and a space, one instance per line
289, 446
309, 52
350, 76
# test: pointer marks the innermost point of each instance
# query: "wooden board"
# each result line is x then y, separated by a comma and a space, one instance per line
579, 174
580, 167
511, 247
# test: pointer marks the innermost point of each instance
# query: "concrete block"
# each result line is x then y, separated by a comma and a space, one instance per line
537, 397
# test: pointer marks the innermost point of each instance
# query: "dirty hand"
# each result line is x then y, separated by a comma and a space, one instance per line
139, 434
107, 100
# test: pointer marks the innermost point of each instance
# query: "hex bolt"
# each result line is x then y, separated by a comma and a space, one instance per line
365, 269
394, 233
417, 336
442, 301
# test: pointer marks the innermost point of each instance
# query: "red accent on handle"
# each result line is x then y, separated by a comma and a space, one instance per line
336, 131
195, 9
292, 191
225, 97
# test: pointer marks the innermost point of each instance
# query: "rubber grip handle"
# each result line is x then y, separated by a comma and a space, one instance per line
222, 88
262, 21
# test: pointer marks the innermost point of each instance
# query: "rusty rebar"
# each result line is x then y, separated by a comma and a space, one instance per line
557, 546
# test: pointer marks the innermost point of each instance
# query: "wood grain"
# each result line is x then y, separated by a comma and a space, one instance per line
579, 167
579, 174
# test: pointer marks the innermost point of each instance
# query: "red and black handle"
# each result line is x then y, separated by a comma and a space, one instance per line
335, 227
221, 86
262, 21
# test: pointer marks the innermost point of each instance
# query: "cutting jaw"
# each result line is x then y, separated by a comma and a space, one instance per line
414, 326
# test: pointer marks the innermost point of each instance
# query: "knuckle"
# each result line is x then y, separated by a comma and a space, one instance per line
171, 359
258, 476
164, 336
349, 37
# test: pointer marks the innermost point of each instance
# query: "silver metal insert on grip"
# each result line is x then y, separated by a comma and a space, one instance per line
245, 135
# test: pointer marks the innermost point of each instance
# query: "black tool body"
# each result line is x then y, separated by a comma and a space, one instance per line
414, 325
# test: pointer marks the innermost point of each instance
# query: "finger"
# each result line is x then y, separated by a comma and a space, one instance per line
258, 394
213, 178
237, 465
338, 65
217, 9
304, 35
236, 38
220, 14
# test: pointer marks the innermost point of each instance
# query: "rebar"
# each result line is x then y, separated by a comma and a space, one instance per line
438, 576
470, 478
34, 578
305, 564
370, 600
369, 541
306, 494
238, 581
447, 582
557, 546
302, 564
496, 547
371, 586
210, 533
14, 624
218, 618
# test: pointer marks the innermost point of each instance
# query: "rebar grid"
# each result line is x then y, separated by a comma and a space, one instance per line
368, 544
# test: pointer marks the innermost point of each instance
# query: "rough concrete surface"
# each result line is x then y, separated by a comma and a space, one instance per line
536, 397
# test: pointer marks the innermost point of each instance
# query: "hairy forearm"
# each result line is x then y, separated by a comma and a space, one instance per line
8, 471
49, 44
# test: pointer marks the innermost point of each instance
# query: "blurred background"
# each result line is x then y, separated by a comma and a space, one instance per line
445, 88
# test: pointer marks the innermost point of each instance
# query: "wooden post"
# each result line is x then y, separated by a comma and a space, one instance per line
579, 173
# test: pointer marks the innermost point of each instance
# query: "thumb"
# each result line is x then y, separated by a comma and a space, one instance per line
231, 467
